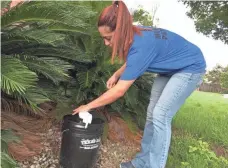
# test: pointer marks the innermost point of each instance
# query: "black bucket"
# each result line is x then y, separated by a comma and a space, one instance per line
80, 145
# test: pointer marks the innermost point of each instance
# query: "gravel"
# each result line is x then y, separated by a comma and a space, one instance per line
110, 155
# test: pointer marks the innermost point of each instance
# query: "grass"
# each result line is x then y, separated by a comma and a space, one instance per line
188, 152
205, 115
200, 125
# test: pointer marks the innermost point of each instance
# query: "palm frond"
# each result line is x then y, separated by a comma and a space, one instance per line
86, 78
51, 68
15, 77
8, 136
131, 96
58, 52
25, 102
31, 35
7, 161
35, 96
141, 120
118, 106
9, 104
5, 4
49, 12
62, 27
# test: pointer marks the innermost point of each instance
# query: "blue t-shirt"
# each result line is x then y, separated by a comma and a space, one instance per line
163, 52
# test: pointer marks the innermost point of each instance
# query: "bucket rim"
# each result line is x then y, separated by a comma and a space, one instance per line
82, 123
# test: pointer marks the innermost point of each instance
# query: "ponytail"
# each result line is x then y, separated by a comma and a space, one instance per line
118, 19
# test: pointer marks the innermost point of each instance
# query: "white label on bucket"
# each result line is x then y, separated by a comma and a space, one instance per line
90, 143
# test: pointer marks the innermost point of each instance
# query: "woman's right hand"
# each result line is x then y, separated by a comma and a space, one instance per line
112, 81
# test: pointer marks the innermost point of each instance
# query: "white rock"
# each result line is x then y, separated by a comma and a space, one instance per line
32, 166
38, 166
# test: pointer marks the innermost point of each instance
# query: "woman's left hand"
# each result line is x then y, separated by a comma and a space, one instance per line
81, 108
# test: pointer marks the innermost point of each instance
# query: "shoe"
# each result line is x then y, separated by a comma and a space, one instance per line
126, 165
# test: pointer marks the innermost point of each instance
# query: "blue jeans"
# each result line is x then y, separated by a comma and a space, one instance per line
168, 94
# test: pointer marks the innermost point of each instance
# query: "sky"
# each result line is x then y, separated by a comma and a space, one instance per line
172, 16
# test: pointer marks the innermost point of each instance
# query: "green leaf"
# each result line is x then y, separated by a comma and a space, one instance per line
7, 161
35, 96
49, 12
52, 68
210, 18
192, 149
32, 35
15, 77
5, 4
64, 27
8, 136
86, 78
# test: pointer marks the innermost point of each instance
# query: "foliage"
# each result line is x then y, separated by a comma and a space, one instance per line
195, 142
207, 117
57, 48
224, 77
89, 79
90, 82
213, 76
143, 17
210, 18
218, 76
188, 152
6, 137
34, 46
202, 150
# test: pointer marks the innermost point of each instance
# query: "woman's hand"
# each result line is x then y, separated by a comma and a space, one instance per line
112, 81
80, 109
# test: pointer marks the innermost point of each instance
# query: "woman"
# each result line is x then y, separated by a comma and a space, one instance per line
180, 66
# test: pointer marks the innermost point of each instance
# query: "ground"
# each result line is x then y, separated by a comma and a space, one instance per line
199, 139
110, 153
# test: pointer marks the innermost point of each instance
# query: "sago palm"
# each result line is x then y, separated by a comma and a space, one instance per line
89, 82
89, 78
33, 47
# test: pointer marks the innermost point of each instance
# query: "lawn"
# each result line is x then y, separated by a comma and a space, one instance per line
200, 131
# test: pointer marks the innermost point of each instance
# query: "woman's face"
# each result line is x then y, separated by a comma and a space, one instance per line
106, 34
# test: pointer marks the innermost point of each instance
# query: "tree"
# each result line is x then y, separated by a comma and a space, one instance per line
213, 76
210, 18
224, 78
144, 17
218, 76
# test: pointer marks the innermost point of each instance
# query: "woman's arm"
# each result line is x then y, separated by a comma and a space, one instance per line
108, 97
119, 72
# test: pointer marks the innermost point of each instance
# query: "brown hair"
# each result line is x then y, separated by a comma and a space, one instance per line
118, 19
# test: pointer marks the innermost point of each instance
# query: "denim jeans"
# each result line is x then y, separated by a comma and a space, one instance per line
168, 94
